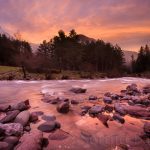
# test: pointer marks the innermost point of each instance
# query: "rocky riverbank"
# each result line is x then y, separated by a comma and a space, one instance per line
112, 121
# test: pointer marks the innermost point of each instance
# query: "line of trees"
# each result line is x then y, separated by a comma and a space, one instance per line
68, 52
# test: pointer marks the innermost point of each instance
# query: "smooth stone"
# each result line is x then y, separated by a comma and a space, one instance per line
107, 100
119, 109
95, 110
10, 117
48, 117
74, 102
77, 90
63, 107
118, 118
47, 126
22, 118
33, 117
58, 135
20, 106
4, 108
11, 140
4, 146
104, 119
92, 97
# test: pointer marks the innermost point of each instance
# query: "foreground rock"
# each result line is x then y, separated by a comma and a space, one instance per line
107, 100
118, 118
95, 110
63, 107
21, 106
31, 141
12, 128
22, 118
10, 117
33, 117
4, 108
4, 146
147, 129
78, 90
104, 119
49, 126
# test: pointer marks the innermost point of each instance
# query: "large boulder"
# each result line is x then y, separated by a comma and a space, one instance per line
77, 90
63, 107
95, 110
12, 128
31, 141
10, 116
48, 126
22, 118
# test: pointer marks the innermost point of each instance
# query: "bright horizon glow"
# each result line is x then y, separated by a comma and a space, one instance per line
122, 22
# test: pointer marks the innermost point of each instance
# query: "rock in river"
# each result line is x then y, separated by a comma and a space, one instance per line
31, 141
78, 90
107, 100
22, 118
10, 116
48, 126
92, 97
63, 107
95, 110
118, 118
12, 128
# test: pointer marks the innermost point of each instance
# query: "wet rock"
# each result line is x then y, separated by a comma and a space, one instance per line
58, 135
146, 89
107, 94
109, 108
63, 107
48, 117
20, 106
39, 113
132, 90
118, 118
31, 141
95, 110
78, 90
119, 109
84, 110
48, 126
12, 128
104, 119
92, 97
10, 116
74, 102
4, 108
137, 111
146, 129
115, 96
33, 117
107, 100
22, 118
4, 146
11, 140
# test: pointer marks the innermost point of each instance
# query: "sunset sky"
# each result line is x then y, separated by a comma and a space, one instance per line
125, 22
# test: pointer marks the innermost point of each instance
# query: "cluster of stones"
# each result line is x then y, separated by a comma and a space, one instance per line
15, 130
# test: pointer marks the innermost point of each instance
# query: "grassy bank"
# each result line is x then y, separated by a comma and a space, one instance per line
15, 73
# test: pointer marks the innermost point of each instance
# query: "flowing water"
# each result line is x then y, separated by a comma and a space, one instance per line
85, 132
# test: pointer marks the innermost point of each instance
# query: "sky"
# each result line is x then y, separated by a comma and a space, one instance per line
122, 22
